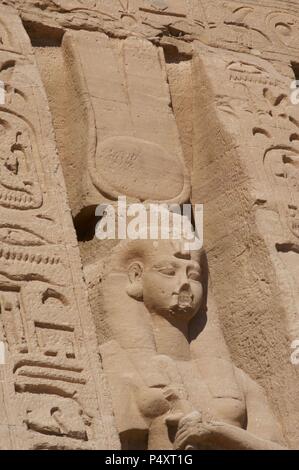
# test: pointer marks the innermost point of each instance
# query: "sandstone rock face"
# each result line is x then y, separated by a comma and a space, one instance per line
117, 344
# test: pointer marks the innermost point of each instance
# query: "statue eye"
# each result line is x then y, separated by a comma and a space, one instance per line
194, 276
167, 270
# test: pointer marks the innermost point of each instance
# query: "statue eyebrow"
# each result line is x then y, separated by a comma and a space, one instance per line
164, 262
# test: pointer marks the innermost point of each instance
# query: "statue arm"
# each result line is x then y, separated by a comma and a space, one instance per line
229, 437
261, 421
262, 431
220, 436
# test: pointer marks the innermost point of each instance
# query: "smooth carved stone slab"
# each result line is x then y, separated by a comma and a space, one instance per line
133, 137
134, 161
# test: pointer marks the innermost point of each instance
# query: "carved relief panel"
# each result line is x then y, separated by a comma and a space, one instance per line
126, 138
133, 137
51, 367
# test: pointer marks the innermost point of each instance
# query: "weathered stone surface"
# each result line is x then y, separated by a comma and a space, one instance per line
165, 101
53, 394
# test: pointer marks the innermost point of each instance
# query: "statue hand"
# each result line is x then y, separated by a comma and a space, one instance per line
193, 432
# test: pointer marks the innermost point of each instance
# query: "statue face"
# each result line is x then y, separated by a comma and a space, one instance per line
171, 283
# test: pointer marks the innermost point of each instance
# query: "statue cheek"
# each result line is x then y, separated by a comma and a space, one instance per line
158, 288
198, 294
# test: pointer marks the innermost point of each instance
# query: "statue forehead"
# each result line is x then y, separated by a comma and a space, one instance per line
157, 247
151, 251
175, 248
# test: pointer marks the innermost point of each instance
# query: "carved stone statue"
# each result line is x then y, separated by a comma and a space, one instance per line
166, 394
167, 101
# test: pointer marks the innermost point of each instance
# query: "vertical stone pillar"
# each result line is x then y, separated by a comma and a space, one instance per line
246, 175
52, 391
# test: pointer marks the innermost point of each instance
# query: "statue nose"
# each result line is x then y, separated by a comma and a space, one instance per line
185, 286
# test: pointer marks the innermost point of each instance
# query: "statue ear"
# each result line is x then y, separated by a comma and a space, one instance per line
135, 287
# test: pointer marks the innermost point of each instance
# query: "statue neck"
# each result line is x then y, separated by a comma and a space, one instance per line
171, 339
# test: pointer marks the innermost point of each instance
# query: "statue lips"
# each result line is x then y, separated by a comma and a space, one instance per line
184, 301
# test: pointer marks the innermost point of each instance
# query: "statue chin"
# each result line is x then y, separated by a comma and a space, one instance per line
183, 311
179, 311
